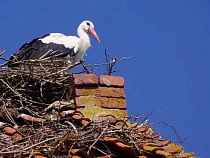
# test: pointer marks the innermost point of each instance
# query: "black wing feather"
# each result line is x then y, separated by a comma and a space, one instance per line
36, 49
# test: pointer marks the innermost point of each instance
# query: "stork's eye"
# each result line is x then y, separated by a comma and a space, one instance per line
88, 23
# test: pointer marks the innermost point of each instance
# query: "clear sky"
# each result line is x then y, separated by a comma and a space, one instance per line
169, 39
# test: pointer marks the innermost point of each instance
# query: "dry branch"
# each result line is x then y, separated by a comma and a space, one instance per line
41, 93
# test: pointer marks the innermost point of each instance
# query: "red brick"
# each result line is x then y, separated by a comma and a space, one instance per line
86, 79
111, 92
85, 100
115, 103
102, 101
112, 80
101, 92
112, 103
86, 91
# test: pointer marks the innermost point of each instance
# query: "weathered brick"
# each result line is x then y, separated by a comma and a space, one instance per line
102, 101
111, 92
93, 112
86, 91
115, 103
112, 103
86, 79
112, 80
85, 100
101, 92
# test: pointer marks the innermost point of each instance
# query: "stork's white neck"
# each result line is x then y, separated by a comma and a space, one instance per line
84, 37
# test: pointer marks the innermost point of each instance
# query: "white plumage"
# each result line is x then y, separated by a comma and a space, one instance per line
57, 45
59, 38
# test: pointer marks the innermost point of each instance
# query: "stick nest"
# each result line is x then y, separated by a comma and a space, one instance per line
38, 117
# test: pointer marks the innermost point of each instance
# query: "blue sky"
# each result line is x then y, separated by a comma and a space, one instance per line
169, 39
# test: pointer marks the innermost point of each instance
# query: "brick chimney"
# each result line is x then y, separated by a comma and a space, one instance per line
100, 95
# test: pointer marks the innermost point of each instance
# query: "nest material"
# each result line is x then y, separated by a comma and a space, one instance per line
24, 89
38, 117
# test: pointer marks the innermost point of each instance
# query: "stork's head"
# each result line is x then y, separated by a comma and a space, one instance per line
88, 27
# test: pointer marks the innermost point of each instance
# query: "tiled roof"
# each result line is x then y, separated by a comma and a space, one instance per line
81, 137
91, 121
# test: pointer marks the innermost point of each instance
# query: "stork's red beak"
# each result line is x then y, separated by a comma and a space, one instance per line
94, 34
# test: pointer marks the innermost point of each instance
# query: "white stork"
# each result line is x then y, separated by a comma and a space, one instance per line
70, 48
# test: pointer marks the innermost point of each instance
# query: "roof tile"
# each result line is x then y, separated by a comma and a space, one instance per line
173, 148
163, 153
9, 130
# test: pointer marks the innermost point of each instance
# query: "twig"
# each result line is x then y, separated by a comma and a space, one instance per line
11, 88
67, 68
161, 121
2, 52
101, 151
19, 95
85, 68
9, 117
69, 123
97, 139
106, 63
25, 149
